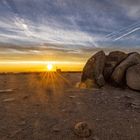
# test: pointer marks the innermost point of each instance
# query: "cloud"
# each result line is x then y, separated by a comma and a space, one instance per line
25, 30
131, 7
89, 23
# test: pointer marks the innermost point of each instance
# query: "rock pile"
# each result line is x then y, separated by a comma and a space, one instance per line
117, 68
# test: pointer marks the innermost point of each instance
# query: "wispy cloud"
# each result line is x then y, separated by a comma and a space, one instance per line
26, 31
131, 7
91, 23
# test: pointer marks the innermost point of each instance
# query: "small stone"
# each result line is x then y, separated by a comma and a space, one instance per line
63, 110
95, 138
72, 97
36, 113
22, 123
82, 129
9, 100
26, 97
6, 90
78, 103
56, 129
14, 133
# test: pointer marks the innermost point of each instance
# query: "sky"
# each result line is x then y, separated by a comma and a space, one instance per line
65, 32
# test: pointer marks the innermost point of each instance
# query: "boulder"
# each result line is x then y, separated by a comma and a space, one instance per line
94, 69
118, 75
133, 77
112, 60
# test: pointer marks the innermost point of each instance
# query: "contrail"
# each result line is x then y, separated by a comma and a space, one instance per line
113, 34
134, 30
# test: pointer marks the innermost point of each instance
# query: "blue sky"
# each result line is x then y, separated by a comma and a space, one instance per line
69, 26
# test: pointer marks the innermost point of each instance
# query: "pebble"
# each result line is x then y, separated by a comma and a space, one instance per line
9, 100
22, 123
95, 138
56, 129
72, 96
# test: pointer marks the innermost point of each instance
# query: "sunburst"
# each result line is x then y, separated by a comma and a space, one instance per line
49, 67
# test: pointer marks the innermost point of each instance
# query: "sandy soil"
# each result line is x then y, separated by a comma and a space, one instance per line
47, 106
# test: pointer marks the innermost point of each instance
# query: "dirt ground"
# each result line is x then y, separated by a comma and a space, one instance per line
46, 106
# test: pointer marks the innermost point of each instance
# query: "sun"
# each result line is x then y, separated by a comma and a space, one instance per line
49, 67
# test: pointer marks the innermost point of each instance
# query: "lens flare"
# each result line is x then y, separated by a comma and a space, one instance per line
49, 67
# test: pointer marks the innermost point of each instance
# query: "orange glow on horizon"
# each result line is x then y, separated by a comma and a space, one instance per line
38, 66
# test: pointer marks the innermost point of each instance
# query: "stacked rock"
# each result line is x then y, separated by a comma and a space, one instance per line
117, 67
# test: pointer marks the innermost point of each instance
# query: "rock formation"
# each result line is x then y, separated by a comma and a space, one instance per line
94, 69
117, 67
118, 75
112, 60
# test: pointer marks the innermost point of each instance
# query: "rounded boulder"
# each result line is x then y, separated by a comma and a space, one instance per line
94, 69
133, 77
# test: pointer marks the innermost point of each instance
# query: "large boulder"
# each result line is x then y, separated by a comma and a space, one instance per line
133, 77
112, 60
94, 69
118, 75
